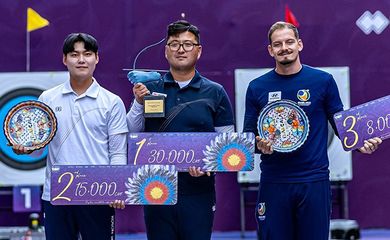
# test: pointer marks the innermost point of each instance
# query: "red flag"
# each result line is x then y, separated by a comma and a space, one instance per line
290, 18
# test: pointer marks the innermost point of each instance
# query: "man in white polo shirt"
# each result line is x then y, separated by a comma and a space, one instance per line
92, 130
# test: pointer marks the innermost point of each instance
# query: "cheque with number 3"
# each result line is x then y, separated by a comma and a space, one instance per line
362, 122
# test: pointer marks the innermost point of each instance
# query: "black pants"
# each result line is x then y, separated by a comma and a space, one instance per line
190, 219
67, 222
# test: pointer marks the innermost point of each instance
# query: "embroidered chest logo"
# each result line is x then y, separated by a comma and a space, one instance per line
303, 96
261, 211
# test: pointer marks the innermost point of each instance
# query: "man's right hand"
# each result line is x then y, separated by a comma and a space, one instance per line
139, 91
265, 146
20, 149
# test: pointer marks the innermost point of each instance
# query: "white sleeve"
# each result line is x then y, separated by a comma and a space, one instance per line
116, 123
135, 118
228, 128
117, 149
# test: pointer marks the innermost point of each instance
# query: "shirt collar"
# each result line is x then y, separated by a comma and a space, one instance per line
195, 81
92, 91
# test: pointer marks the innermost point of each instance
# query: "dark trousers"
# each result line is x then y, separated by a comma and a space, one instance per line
67, 222
190, 219
294, 211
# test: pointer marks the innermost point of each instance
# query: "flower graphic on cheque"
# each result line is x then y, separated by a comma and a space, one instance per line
230, 152
152, 184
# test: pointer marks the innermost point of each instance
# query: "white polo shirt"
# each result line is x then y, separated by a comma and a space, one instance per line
84, 124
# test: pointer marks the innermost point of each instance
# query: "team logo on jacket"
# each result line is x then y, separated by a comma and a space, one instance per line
261, 211
303, 96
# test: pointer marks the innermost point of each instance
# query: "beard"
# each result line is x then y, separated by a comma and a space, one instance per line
288, 61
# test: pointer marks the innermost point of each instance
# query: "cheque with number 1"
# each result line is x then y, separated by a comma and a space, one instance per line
218, 152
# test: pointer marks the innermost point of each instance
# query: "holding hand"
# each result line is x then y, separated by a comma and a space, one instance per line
139, 91
264, 145
118, 204
370, 145
20, 149
196, 172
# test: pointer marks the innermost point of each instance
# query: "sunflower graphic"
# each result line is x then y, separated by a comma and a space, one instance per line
230, 152
152, 185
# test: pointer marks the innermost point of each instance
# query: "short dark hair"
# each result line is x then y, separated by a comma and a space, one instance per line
181, 26
282, 25
90, 42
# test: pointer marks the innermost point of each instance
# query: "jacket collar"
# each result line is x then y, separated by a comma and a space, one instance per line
92, 91
195, 81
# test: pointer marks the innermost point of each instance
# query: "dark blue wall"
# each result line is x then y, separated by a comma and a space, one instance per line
234, 35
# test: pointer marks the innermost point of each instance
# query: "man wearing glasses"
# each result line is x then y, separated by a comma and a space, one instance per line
193, 103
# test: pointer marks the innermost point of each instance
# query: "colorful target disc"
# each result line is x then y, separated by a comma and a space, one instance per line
31, 124
230, 152
285, 124
153, 185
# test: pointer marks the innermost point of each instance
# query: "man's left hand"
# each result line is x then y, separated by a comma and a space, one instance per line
370, 145
196, 172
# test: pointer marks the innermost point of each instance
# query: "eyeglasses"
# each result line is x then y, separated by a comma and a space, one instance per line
187, 46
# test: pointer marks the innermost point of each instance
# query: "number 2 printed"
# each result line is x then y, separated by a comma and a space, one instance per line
59, 196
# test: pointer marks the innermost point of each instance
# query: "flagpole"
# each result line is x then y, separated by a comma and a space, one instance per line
27, 51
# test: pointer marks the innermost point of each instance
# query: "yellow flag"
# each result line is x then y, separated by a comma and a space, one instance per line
35, 21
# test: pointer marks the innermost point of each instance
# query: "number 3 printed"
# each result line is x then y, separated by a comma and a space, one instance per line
356, 136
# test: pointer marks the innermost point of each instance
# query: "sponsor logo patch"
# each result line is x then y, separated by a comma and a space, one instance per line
274, 96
